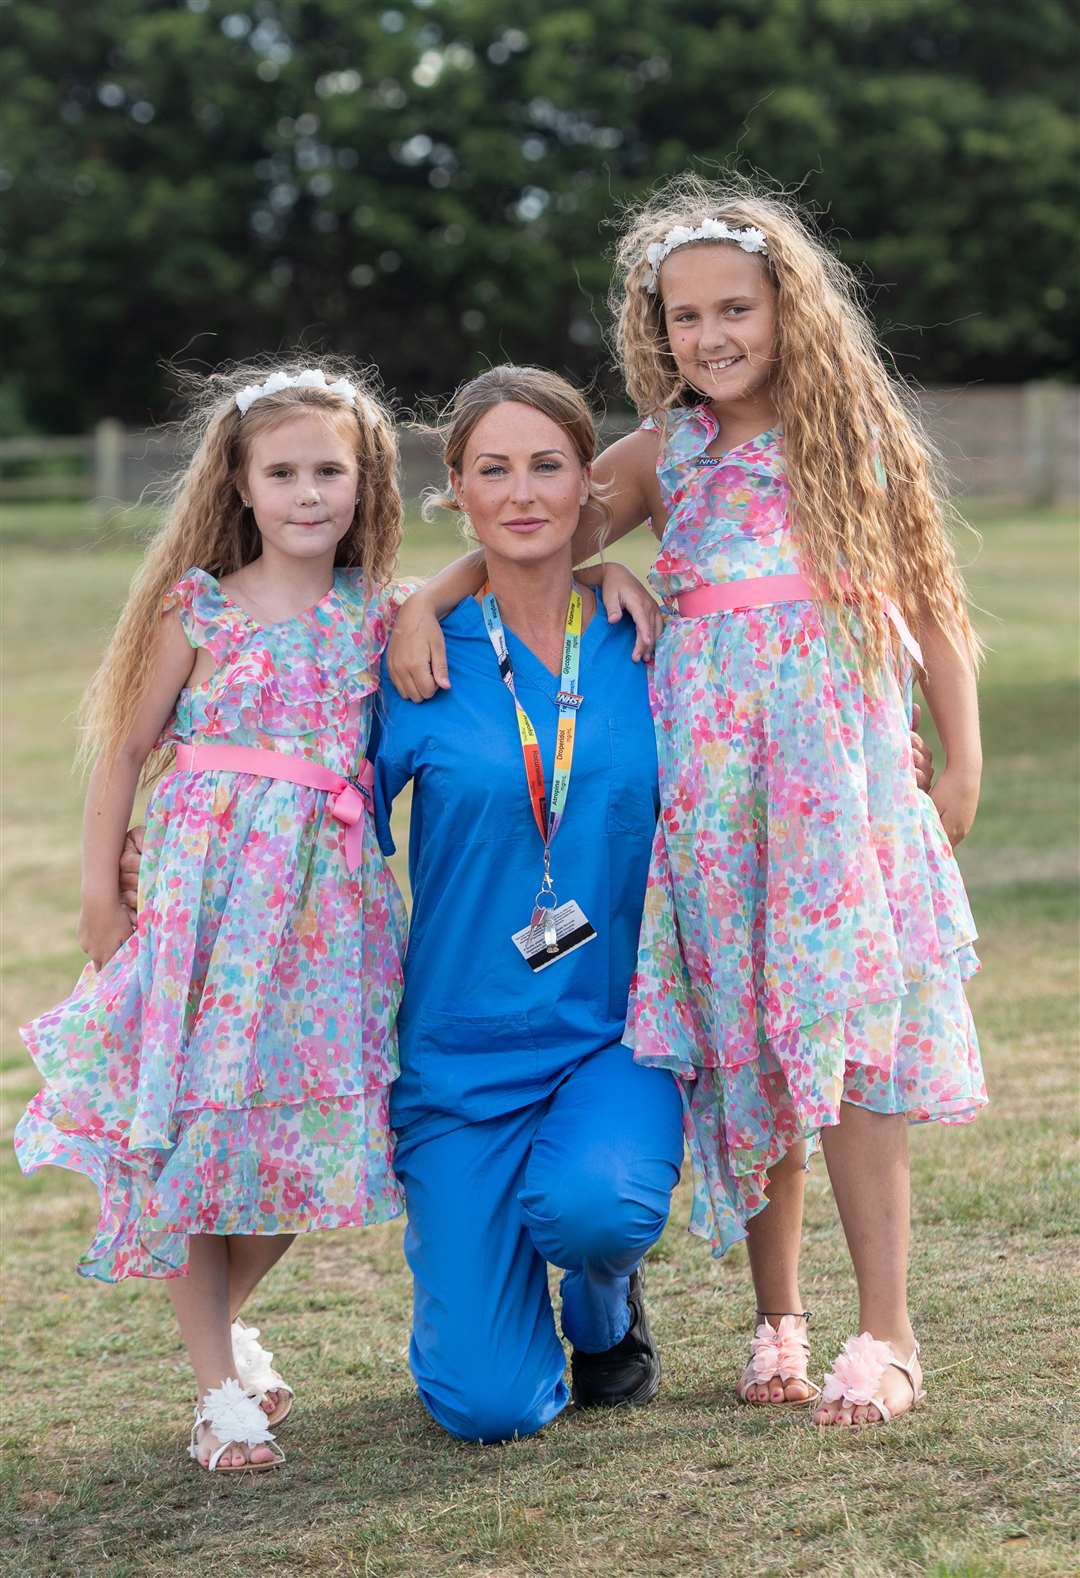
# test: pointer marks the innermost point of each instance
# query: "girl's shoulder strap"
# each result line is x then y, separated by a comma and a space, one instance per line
207, 617
685, 432
372, 607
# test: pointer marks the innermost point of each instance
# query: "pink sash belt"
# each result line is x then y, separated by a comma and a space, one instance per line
351, 797
723, 596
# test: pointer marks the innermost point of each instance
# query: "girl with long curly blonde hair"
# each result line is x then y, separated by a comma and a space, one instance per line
222, 1069
806, 932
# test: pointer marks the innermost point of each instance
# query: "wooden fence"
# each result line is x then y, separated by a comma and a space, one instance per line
1018, 443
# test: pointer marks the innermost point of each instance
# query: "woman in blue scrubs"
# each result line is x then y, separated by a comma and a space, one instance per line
526, 1134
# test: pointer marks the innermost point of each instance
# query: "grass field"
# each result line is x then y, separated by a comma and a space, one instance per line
979, 1483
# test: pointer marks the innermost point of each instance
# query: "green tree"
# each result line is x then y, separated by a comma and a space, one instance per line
425, 182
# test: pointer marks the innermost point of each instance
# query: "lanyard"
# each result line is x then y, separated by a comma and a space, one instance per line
548, 816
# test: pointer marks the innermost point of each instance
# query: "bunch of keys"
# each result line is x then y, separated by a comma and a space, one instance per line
545, 904
562, 928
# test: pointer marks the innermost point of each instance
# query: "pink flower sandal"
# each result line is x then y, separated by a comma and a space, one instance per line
254, 1366
237, 1420
855, 1379
782, 1350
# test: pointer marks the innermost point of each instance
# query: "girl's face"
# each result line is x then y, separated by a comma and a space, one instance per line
521, 484
720, 316
301, 480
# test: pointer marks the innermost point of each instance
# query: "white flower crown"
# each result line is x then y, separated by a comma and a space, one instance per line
310, 378
750, 238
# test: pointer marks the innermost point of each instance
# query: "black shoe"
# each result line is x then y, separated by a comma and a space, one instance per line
629, 1373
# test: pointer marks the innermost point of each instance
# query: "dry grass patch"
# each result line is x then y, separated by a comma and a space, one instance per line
979, 1484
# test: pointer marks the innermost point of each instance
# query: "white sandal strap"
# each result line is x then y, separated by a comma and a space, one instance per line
235, 1418
917, 1393
254, 1363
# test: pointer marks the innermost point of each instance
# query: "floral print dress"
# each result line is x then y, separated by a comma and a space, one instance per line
806, 933
228, 1070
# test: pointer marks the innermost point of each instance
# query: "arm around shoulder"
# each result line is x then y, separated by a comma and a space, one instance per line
624, 481
416, 656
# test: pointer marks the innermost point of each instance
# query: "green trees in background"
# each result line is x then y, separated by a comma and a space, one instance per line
425, 182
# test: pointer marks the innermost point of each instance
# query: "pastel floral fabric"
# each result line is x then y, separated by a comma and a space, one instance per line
806, 932
228, 1070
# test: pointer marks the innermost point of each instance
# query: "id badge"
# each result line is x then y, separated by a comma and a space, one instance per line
572, 930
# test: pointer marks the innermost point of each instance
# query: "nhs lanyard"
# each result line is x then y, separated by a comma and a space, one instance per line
548, 816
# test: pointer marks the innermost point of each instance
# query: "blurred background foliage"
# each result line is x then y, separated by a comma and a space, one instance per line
426, 182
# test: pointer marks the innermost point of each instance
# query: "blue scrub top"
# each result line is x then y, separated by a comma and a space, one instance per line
481, 1034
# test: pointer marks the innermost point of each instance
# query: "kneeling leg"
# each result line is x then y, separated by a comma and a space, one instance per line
484, 1351
598, 1186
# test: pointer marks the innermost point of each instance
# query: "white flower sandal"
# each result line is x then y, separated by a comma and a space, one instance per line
783, 1350
855, 1379
237, 1420
254, 1366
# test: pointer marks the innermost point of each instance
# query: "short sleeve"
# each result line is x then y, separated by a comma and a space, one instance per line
206, 617
374, 610
388, 604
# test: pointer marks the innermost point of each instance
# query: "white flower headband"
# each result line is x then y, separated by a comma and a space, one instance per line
310, 378
750, 238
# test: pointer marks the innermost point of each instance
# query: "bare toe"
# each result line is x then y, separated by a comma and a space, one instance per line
796, 1392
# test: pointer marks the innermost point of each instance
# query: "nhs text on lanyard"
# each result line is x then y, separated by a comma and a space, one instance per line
554, 929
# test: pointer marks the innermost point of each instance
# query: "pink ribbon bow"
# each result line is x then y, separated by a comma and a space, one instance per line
351, 797
779, 1350
856, 1375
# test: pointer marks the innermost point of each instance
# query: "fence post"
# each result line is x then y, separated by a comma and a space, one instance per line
109, 463
1042, 404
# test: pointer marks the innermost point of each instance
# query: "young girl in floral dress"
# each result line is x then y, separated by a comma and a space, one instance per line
222, 1071
806, 934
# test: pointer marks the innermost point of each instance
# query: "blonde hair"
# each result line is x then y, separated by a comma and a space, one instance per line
843, 416
206, 524
544, 391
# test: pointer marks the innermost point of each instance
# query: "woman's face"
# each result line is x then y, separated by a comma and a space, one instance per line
521, 485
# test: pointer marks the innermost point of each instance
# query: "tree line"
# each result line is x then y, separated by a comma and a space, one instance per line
428, 183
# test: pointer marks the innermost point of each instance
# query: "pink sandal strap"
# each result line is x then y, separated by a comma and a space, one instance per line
856, 1376
782, 1350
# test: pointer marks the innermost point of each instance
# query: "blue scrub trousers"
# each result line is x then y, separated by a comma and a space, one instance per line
581, 1178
